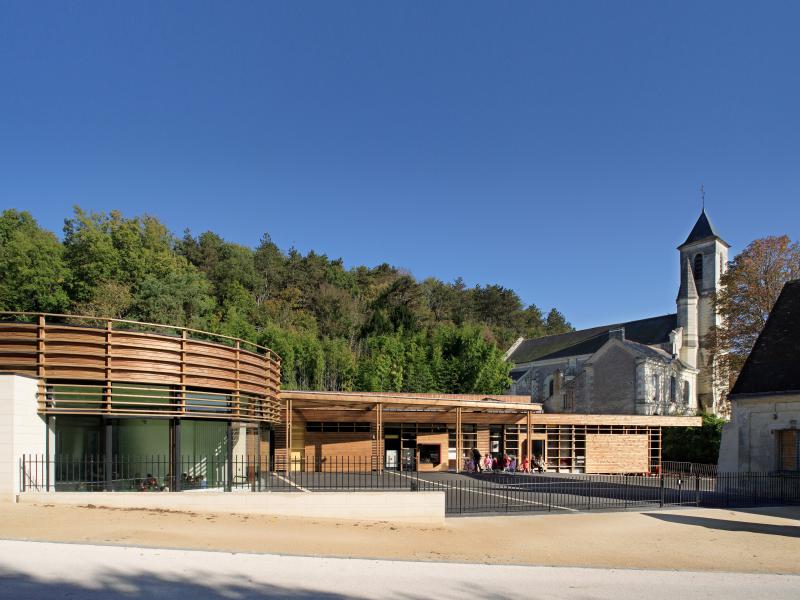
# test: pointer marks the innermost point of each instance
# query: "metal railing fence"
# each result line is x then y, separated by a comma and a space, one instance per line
688, 468
163, 473
465, 493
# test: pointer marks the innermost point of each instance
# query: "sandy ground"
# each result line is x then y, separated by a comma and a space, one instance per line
758, 541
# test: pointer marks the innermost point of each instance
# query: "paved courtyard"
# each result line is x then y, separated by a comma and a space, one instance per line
87, 572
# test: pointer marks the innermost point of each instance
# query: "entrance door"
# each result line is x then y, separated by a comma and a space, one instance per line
538, 447
391, 445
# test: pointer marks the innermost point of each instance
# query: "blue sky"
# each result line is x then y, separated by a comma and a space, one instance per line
553, 148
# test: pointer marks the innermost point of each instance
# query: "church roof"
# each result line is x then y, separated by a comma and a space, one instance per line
772, 364
654, 330
702, 230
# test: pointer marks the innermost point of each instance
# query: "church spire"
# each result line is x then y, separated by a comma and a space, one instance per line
702, 230
688, 289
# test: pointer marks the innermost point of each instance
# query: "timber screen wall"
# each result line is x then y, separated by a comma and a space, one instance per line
111, 367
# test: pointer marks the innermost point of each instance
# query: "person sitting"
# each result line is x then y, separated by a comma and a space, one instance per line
495, 463
512, 464
525, 465
487, 463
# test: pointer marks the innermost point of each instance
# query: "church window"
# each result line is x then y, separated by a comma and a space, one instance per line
673, 391
687, 392
698, 267
656, 393
550, 390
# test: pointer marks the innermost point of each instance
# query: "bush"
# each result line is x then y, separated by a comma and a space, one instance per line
694, 444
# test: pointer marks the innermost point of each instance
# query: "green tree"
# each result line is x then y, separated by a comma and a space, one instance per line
749, 288
33, 275
694, 444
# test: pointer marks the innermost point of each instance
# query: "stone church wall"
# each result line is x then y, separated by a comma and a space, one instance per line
612, 386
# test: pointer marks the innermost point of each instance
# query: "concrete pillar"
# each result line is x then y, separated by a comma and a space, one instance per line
22, 431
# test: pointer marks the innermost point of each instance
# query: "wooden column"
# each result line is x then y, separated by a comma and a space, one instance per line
237, 389
288, 435
459, 441
529, 443
182, 400
40, 366
40, 332
379, 436
107, 389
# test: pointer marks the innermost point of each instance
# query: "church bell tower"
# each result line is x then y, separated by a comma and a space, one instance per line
703, 260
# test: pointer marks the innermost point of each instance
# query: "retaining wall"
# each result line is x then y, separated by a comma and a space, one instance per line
409, 507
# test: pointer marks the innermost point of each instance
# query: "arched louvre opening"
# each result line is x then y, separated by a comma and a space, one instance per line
698, 267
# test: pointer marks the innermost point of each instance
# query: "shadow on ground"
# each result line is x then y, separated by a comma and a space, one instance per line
727, 525
143, 584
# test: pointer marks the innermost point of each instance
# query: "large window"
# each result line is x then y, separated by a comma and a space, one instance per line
430, 454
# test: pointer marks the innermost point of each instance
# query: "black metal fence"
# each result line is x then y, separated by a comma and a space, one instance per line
161, 473
465, 493
506, 493
687, 468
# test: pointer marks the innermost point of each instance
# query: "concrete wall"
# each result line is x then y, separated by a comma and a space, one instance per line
749, 440
411, 507
22, 430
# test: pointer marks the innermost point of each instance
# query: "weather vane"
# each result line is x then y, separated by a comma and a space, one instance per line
703, 195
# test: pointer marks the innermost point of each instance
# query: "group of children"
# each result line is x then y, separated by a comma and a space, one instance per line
504, 463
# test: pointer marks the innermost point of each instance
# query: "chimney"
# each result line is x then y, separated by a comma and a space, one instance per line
617, 334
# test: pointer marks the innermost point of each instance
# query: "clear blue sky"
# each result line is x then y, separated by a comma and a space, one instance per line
555, 148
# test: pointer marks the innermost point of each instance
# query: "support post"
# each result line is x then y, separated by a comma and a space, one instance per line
459, 441
379, 436
229, 465
47, 452
288, 436
109, 449
257, 465
176, 466
107, 398
529, 442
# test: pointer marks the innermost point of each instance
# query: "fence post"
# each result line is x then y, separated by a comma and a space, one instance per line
781, 483
697, 489
229, 448
22, 473
109, 448
625, 487
661, 485
589, 506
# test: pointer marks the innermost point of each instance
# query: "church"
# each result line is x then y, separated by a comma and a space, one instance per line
655, 366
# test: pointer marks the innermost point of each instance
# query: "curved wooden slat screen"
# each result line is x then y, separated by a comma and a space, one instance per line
95, 366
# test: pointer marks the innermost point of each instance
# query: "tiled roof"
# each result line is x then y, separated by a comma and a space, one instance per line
654, 330
702, 230
774, 363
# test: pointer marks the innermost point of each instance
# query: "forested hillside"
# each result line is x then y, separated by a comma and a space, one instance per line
371, 329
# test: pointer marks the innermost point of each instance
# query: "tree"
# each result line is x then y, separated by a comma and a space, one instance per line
749, 289
33, 275
694, 444
366, 328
